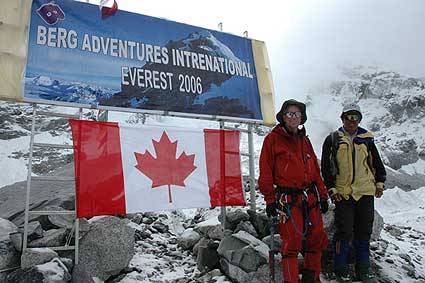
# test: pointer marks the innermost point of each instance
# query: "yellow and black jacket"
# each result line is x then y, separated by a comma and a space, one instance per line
359, 166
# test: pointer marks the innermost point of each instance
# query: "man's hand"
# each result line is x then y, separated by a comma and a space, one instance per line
335, 196
271, 209
379, 189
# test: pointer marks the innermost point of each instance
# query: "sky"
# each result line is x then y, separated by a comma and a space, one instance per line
307, 40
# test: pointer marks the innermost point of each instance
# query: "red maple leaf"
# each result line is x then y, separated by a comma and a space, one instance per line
165, 169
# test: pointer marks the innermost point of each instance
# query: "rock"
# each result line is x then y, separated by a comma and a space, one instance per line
261, 275
188, 239
16, 239
247, 227
233, 218
406, 153
261, 223
160, 227
44, 194
214, 232
136, 217
9, 256
50, 272
35, 231
378, 225
393, 230
207, 258
52, 238
208, 277
36, 256
105, 249
203, 242
55, 221
242, 254
404, 181
277, 241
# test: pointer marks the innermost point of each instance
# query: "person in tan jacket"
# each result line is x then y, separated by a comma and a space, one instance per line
354, 174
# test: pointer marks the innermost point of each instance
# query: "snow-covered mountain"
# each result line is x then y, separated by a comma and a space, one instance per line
393, 108
45, 87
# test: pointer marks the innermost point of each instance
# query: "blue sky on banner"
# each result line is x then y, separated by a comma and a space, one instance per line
308, 40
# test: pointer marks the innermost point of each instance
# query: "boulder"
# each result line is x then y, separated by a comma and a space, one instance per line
105, 249
51, 238
214, 232
44, 194
233, 218
188, 239
55, 221
36, 256
207, 257
247, 227
261, 223
202, 242
9, 256
35, 231
50, 272
241, 255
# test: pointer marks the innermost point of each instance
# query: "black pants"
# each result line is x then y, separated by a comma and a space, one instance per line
354, 219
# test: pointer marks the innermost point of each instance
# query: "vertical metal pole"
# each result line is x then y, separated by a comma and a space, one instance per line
223, 208
27, 201
251, 166
77, 221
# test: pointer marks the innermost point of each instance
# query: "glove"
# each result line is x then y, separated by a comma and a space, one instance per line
324, 206
271, 210
335, 196
379, 189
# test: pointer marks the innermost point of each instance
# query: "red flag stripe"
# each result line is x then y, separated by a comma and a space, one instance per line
223, 168
106, 11
98, 168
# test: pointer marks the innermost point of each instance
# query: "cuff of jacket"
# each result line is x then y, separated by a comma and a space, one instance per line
332, 191
269, 198
380, 185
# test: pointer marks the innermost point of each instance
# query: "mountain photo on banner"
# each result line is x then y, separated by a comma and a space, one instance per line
123, 169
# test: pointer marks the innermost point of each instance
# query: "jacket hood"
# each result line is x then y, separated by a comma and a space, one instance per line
280, 130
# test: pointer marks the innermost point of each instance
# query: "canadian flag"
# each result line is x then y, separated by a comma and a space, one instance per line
124, 169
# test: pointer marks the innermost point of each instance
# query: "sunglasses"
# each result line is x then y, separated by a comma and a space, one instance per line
352, 117
293, 114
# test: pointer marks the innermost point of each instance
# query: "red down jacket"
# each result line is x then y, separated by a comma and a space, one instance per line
288, 161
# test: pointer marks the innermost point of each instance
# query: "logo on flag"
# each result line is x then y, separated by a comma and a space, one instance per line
178, 169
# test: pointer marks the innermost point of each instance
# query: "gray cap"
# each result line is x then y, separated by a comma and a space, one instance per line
350, 107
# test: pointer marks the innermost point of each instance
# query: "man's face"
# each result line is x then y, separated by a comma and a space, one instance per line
292, 117
351, 121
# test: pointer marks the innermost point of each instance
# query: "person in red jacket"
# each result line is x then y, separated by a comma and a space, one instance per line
294, 192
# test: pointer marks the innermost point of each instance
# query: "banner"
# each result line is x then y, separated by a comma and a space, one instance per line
122, 169
135, 61
14, 20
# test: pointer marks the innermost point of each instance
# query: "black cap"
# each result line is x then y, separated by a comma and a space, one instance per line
286, 104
